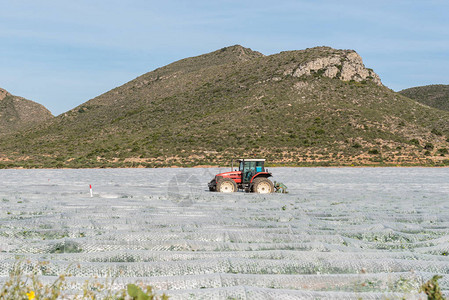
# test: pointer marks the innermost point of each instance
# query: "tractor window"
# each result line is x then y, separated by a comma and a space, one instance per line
259, 166
250, 165
249, 170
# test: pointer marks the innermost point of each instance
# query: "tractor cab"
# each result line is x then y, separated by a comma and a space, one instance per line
251, 177
250, 167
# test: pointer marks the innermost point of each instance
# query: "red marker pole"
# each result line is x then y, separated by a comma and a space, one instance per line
90, 187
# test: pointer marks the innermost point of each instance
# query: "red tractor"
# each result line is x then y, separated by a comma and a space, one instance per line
251, 177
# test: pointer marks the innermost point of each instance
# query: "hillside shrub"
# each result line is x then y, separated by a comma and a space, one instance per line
373, 151
443, 151
414, 142
436, 132
428, 146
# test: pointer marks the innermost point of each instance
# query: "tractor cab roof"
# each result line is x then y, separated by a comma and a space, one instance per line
251, 159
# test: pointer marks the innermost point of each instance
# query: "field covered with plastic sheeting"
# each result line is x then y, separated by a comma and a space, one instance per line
342, 233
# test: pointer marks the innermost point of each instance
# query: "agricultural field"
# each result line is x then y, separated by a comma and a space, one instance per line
341, 233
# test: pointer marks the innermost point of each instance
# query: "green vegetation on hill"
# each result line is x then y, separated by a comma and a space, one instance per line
17, 113
235, 102
436, 95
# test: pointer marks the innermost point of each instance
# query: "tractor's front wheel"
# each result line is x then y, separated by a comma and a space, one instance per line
263, 185
226, 185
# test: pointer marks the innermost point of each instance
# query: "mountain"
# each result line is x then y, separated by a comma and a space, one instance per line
318, 106
436, 95
17, 112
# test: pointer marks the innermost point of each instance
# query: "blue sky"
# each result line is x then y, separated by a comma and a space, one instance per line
63, 53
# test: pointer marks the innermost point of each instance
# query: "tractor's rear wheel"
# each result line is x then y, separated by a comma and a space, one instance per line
226, 185
263, 185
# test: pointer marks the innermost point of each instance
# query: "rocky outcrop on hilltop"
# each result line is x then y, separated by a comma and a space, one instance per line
3, 94
345, 66
17, 112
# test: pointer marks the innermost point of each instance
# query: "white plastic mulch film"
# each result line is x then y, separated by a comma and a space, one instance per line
340, 233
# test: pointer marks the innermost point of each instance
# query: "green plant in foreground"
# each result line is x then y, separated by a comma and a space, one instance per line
432, 289
22, 286
138, 294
